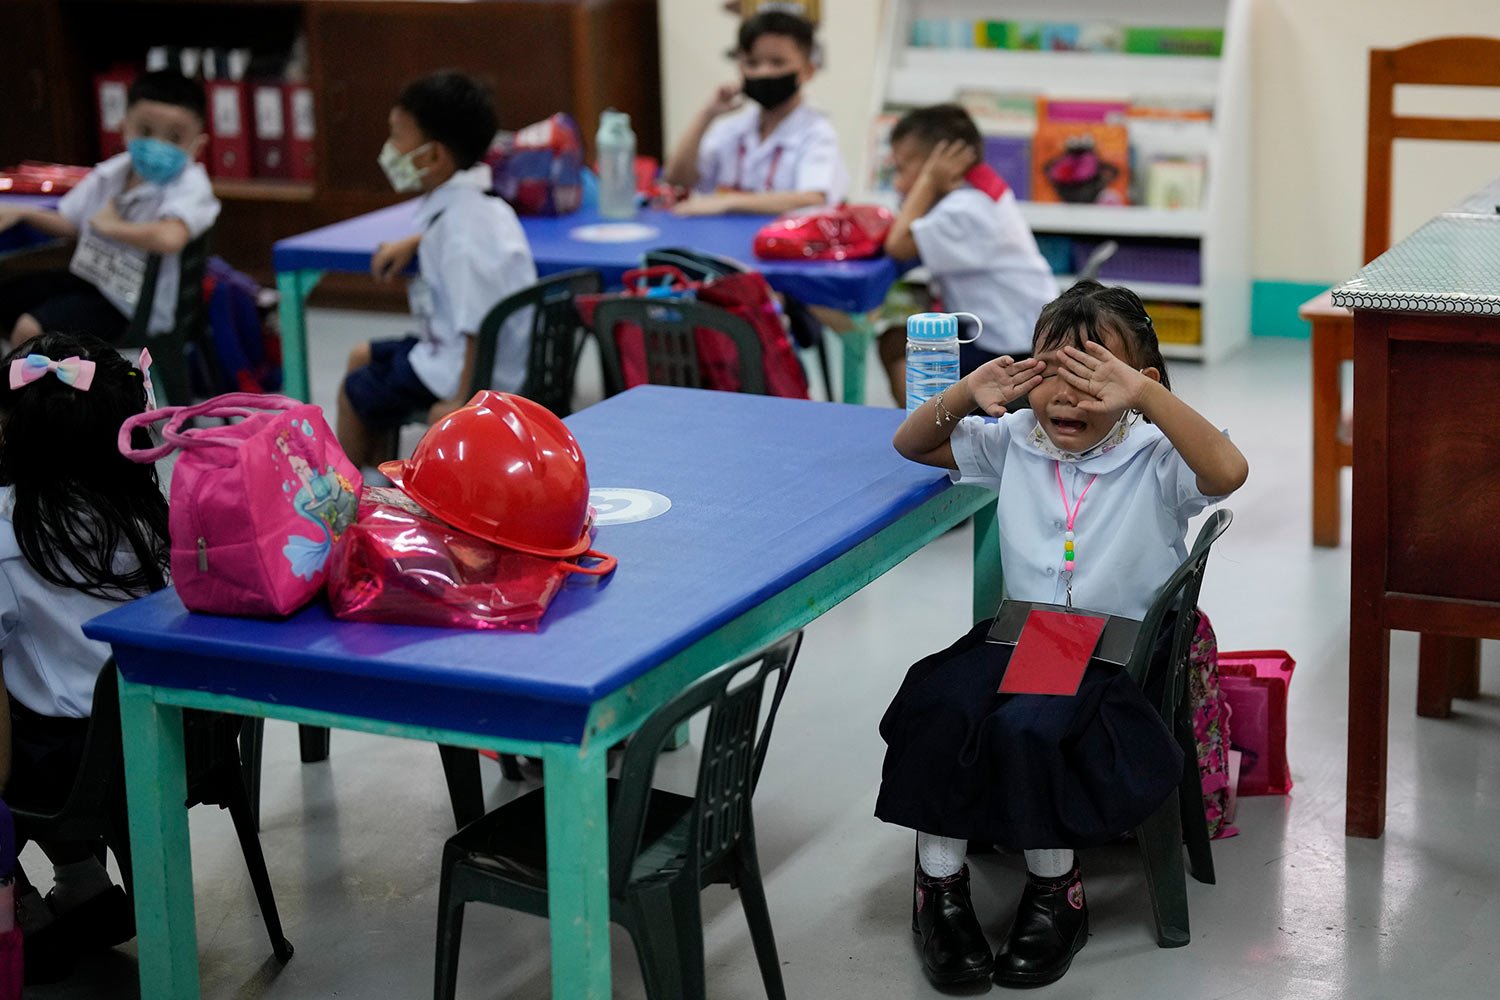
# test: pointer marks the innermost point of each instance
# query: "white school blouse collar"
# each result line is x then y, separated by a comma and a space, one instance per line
477, 178
1138, 437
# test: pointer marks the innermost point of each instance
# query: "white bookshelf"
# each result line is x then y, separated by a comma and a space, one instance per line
909, 75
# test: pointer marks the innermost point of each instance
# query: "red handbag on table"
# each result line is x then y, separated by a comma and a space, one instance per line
848, 232
745, 295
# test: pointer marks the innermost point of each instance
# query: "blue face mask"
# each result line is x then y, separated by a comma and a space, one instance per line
156, 161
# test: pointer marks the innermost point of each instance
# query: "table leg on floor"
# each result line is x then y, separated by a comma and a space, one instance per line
989, 576
856, 343
1463, 667
161, 857
1327, 411
295, 287
578, 871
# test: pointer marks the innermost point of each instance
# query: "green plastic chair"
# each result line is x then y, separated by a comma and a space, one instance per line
663, 847
1180, 820
94, 810
671, 347
169, 350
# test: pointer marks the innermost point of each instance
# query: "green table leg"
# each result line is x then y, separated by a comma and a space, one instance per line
578, 871
857, 343
989, 577
295, 287
161, 858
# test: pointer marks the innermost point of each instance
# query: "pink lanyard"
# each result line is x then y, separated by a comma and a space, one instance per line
1072, 512
739, 168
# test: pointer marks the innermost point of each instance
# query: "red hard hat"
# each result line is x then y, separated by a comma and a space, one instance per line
502, 468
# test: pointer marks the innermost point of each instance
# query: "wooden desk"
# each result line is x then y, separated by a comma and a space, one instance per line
1426, 475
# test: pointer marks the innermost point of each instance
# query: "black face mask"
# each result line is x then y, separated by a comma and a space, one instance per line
771, 91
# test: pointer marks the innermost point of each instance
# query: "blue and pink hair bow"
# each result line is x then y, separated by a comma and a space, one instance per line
75, 371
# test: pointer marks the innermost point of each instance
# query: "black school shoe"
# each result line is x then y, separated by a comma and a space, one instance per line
1051, 926
954, 949
100, 922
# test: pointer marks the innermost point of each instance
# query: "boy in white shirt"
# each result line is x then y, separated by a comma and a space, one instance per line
960, 220
774, 154
152, 199
471, 254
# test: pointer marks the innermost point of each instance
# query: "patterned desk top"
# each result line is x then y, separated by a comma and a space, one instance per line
1450, 265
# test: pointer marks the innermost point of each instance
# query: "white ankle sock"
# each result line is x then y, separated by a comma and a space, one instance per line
77, 882
940, 856
1049, 862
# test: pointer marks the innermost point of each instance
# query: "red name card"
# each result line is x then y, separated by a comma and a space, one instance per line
1052, 653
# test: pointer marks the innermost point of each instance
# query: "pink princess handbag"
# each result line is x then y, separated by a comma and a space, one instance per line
255, 505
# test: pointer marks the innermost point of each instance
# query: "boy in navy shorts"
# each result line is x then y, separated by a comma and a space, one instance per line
471, 253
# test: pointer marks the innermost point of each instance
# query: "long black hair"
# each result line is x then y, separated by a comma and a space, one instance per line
78, 502
1088, 309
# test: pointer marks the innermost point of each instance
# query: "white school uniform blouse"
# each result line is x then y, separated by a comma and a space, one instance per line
800, 154
49, 666
473, 253
188, 198
1129, 533
985, 261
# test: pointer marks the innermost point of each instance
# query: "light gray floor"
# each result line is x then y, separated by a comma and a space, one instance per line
1299, 911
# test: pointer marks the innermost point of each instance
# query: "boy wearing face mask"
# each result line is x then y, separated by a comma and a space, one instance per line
471, 253
771, 153
152, 199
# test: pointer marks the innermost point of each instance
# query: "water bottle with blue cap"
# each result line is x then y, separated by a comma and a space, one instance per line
932, 354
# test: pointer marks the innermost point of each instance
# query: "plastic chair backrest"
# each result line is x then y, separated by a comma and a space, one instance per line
189, 326
728, 768
1180, 592
556, 333
1096, 261
100, 772
1460, 61
696, 264
671, 346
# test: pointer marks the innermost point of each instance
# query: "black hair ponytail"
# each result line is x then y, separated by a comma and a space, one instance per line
78, 503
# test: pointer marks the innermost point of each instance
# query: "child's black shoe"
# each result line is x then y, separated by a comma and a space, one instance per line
954, 949
1052, 924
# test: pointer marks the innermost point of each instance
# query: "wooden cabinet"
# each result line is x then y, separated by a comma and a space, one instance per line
539, 56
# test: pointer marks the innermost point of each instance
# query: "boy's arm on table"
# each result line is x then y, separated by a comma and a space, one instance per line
163, 236
42, 220
391, 259
926, 434
750, 202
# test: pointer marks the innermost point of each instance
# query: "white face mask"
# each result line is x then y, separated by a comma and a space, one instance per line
405, 176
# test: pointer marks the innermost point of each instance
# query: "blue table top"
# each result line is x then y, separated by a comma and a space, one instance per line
850, 286
764, 491
21, 237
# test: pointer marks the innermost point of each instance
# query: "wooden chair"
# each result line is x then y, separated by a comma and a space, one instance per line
1455, 61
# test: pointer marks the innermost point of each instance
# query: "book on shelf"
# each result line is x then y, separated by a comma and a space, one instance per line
1000, 112
1174, 182
1080, 161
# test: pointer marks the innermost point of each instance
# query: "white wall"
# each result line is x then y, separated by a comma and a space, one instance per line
1310, 69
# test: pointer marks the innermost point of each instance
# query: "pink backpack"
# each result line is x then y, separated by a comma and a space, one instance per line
256, 505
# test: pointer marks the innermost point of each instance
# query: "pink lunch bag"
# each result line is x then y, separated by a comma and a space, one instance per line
256, 505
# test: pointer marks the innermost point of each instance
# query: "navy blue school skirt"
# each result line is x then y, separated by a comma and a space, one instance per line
1022, 771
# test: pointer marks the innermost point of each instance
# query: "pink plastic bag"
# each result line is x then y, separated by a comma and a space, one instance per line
1254, 684
400, 564
11, 968
256, 505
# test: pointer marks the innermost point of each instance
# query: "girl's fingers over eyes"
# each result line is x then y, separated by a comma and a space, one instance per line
1077, 381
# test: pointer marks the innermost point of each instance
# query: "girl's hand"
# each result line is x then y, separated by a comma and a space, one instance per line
996, 383
947, 163
1105, 382
105, 220
726, 98
720, 203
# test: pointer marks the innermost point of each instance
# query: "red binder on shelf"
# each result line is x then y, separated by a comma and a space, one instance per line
111, 93
301, 128
228, 129
270, 142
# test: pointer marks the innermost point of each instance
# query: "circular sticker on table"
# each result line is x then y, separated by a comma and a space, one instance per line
614, 505
613, 232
